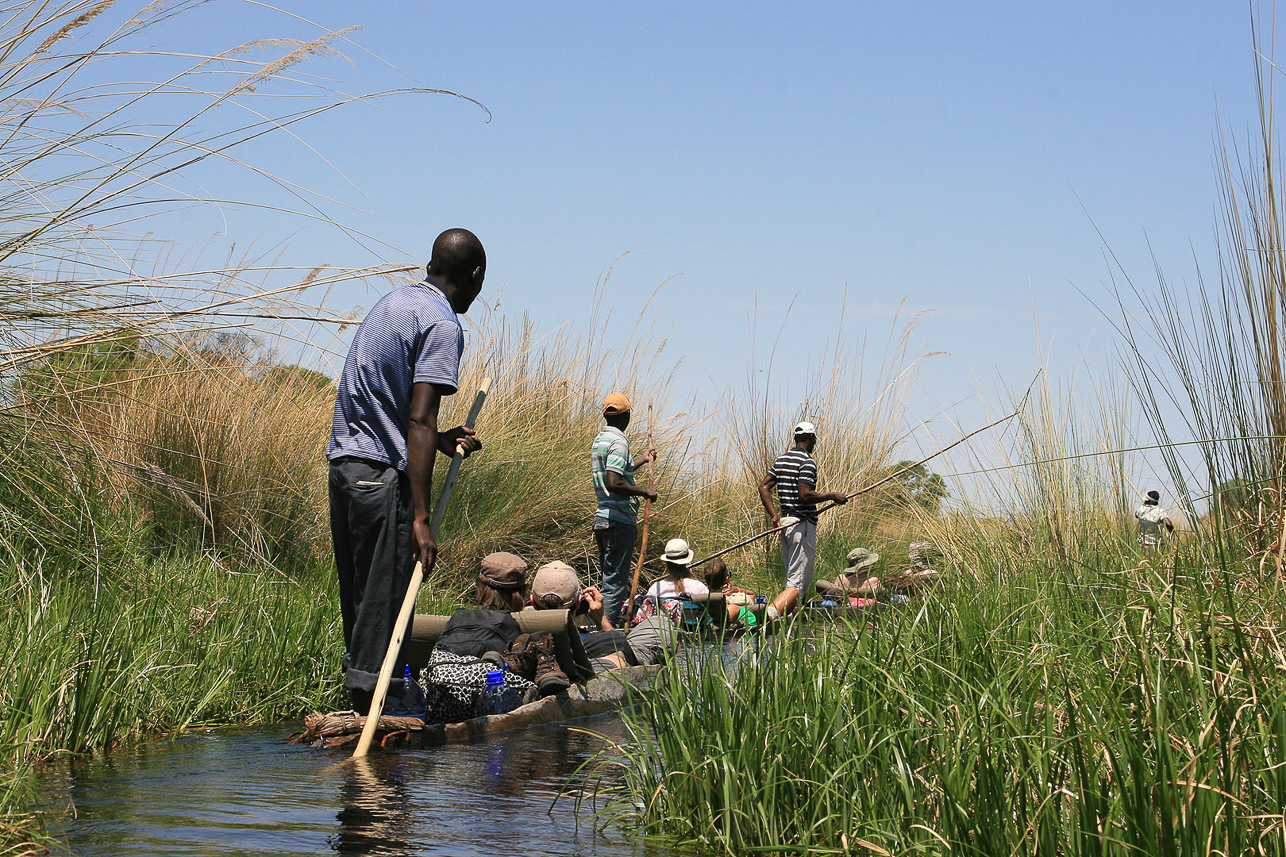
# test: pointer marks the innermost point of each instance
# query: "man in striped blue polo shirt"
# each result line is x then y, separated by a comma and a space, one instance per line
404, 358
616, 518
794, 474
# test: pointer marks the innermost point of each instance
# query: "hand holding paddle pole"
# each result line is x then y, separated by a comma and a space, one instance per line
413, 589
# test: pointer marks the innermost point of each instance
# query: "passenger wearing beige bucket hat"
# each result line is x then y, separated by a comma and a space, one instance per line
616, 518
855, 579
794, 475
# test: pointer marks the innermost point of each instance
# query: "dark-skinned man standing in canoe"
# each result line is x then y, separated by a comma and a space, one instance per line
616, 518
404, 359
794, 475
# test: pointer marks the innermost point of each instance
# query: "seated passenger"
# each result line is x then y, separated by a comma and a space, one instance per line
556, 586
646, 643
855, 580
666, 595
736, 599
719, 579
477, 641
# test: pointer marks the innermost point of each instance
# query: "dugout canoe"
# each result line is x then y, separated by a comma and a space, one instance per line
589, 695
609, 691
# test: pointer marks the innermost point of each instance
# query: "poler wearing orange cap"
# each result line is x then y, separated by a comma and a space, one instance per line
794, 475
616, 519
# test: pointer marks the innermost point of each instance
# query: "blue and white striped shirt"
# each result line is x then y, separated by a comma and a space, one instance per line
410, 336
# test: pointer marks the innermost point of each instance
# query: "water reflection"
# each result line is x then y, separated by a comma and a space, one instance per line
372, 816
245, 792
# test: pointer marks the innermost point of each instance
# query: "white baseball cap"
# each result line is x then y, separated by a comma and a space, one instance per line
805, 428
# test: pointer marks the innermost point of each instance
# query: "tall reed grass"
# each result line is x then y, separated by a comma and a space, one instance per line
1088, 711
1208, 364
1059, 693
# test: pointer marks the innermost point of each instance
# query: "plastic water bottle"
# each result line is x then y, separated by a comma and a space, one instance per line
411, 702
497, 697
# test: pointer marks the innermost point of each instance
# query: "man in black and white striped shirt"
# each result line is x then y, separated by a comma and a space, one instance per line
794, 474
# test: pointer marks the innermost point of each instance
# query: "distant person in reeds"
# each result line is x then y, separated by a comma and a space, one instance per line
1151, 519
404, 359
616, 518
794, 475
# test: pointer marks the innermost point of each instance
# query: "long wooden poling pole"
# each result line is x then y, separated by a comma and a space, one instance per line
647, 509
871, 487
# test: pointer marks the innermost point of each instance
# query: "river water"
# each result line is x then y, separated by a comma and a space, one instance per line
248, 792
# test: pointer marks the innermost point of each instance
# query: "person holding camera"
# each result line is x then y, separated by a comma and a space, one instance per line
556, 586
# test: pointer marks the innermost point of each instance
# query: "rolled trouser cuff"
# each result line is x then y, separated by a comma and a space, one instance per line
355, 679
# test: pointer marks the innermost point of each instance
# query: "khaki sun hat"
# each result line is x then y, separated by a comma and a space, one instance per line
616, 403
504, 571
860, 558
677, 552
556, 579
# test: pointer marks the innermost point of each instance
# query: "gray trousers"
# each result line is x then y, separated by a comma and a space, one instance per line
799, 555
370, 526
653, 639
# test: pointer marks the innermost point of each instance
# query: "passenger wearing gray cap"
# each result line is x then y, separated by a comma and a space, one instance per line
556, 586
794, 475
855, 579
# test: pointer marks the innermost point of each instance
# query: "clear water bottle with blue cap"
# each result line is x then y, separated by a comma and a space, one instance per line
410, 702
496, 697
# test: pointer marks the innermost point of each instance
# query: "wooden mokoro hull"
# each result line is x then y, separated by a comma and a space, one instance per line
605, 692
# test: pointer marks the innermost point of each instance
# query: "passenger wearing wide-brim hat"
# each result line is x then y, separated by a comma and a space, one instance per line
677, 582
855, 579
678, 553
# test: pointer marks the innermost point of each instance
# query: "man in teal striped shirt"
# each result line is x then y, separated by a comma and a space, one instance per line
616, 520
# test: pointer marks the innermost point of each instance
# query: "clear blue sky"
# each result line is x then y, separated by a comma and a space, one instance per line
933, 150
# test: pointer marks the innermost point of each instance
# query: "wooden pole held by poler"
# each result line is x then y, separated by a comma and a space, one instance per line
647, 508
859, 492
413, 589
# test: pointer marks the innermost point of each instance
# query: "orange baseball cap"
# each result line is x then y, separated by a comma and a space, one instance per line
616, 403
